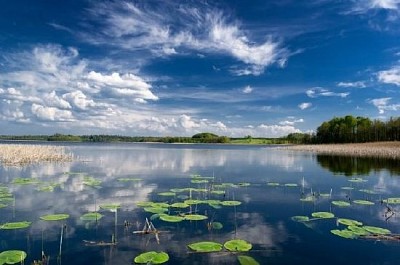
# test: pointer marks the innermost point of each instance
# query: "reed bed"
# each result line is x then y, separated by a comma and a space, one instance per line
377, 149
24, 154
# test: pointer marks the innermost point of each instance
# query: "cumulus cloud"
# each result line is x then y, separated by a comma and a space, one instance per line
363, 6
51, 113
291, 121
169, 29
357, 84
391, 76
304, 105
322, 92
247, 90
382, 104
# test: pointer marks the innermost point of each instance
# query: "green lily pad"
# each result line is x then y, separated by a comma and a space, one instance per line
12, 256
195, 217
152, 257
218, 192
3, 205
300, 218
347, 188
363, 202
192, 202
273, 184
368, 191
171, 218
90, 181
323, 215
160, 204
155, 209
15, 225
246, 260
357, 180
54, 217
237, 245
144, 204
167, 193
344, 233
291, 185
216, 225
308, 199
180, 205
392, 200
243, 184
199, 181
25, 181
341, 203
349, 222
231, 203
377, 230
359, 231
94, 216
205, 246
110, 207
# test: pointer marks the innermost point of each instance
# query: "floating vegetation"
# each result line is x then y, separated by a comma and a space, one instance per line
273, 184
349, 222
93, 216
205, 246
341, 203
247, 260
291, 185
231, 203
344, 233
300, 218
368, 191
167, 193
155, 209
237, 245
15, 225
195, 217
12, 257
199, 181
363, 202
322, 215
392, 200
152, 257
180, 205
171, 218
144, 204
25, 181
110, 207
218, 192
357, 230
159, 204
377, 230
48, 188
192, 202
3, 205
347, 188
129, 179
55, 217
92, 182
308, 198
357, 180
243, 184
216, 225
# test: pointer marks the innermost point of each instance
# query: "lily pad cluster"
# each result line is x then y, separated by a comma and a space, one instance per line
12, 257
235, 245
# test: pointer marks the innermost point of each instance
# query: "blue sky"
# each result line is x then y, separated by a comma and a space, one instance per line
163, 68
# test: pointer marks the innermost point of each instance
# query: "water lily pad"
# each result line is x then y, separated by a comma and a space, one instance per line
218, 192
344, 233
246, 260
199, 181
152, 257
341, 203
237, 245
195, 217
368, 191
291, 185
273, 184
25, 181
205, 246
3, 205
392, 200
15, 225
54, 217
216, 225
357, 180
349, 222
180, 205
300, 218
191, 201
357, 230
231, 203
363, 202
144, 204
308, 199
377, 230
323, 215
171, 218
110, 207
155, 209
94, 216
167, 193
243, 184
12, 256
347, 188
90, 181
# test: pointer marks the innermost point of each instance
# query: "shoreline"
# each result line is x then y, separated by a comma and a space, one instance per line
372, 149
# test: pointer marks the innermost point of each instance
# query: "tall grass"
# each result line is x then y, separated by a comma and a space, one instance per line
21, 154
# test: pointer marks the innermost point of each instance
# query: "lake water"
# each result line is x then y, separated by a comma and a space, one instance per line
129, 174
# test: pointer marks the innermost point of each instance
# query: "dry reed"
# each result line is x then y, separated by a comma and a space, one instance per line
24, 154
378, 149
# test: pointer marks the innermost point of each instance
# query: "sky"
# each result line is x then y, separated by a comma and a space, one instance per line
177, 68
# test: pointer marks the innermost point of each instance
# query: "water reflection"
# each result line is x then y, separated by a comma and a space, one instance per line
350, 166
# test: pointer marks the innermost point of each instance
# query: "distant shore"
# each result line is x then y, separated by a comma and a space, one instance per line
376, 149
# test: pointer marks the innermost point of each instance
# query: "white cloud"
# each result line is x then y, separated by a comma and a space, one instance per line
247, 90
358, 84
170, 29
304, 105
291, 121
322, 92
391, 76
51, 114
382, 104
363, 6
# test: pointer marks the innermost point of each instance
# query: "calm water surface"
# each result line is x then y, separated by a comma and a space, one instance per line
263, 218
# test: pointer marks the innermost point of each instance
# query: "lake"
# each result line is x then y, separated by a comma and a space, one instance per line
239, 192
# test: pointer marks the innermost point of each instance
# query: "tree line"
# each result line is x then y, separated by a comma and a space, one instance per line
350, 129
